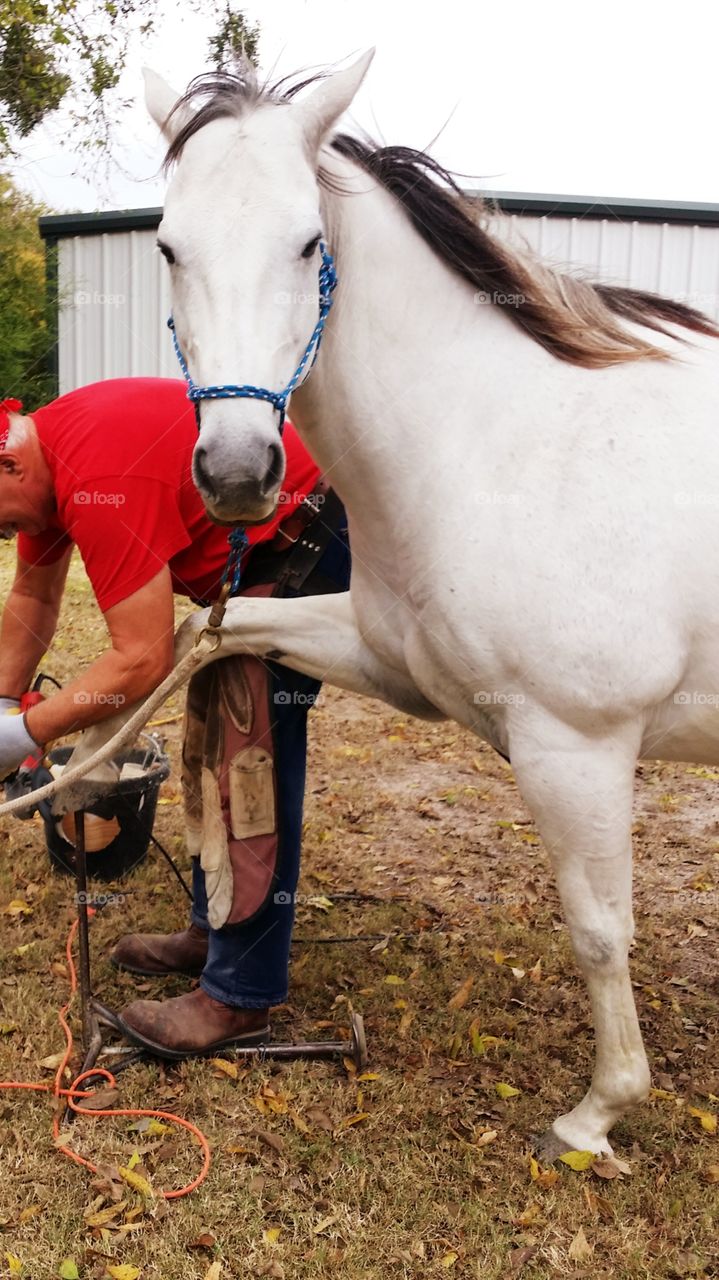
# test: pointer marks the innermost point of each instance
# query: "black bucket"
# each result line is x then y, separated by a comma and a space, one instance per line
129, 808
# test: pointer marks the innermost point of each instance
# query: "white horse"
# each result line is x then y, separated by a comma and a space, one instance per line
532, 486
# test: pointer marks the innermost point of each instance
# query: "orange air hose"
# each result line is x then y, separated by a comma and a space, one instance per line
75, 1092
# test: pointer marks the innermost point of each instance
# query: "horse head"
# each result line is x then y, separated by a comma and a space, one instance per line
242, 231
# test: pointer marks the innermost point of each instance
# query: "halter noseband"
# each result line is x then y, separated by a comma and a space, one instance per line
278, 399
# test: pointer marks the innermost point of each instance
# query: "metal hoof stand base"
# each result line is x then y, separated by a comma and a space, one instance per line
96, 1016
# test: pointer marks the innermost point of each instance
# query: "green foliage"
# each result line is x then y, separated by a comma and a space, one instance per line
26, 337
235, 38
73, 52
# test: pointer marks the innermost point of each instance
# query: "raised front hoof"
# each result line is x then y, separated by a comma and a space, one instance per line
549, 1147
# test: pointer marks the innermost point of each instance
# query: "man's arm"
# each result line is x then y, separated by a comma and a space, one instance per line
28, 622
141, 655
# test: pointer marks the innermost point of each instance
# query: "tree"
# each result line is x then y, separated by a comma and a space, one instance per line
73, 52
26, 337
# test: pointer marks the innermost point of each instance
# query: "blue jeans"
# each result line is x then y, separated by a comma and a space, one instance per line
247, 965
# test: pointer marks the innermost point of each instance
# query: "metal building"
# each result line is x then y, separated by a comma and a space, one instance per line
113, 288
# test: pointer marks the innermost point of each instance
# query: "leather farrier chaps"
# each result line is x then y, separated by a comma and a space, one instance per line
228, 761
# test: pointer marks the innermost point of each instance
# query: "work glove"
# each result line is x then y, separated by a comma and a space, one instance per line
15, 743
9, 704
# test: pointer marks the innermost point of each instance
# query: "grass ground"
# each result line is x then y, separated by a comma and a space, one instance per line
467, 983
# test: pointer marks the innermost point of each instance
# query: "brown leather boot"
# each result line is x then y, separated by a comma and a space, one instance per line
152, 954
190, 1025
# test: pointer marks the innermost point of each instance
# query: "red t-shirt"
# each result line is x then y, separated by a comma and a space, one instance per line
120, 454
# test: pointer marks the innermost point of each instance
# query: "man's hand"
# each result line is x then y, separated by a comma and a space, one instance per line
15, 743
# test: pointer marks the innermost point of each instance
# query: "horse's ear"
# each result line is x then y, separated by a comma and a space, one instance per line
160, 100
322, 109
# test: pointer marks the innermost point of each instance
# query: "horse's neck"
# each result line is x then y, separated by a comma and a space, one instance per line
382, 388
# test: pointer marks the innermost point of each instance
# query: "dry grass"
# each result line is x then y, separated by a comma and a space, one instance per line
431, 823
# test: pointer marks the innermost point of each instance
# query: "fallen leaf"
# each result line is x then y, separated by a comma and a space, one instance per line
52, 1062
214, 1272
15, 910
349, 1121
137, 1182
485, 1138
578, 1160
272, 1235
610, 1167
506, 1090
225, 1067
68, 1270
31, 1212
272, 1140
518, 1257
580, 1249
15, 1265
123, 1271
102, 1100
449, 1260
319, 1119
204, 1241
707, 1119
101, 1217
394, 980
543, 1177
324, 1224
460, 998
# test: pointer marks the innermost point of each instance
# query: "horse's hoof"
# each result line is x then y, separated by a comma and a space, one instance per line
549, 1147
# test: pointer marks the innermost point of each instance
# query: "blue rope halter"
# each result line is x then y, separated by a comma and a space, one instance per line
278, 399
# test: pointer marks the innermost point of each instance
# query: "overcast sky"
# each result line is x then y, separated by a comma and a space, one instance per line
617, 98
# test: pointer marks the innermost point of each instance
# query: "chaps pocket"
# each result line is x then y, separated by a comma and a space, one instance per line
252, 794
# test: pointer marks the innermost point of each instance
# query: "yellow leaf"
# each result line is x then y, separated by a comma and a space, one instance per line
156, 1128
123, 1271
707, 1119
533, 1169
449, 1260
68, 1270
103, 1216
228, 1068
272, 1235
137, 1182
481, 1043
134, 1160
214, 1271
369, 1075
15, 909
356, 1119
30, 1212
499, 957
506, 1090
15, 1265
460, 998
23, 950
394, 980
578, 1160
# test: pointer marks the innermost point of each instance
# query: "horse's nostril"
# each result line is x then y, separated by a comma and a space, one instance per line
202, 475
273, 474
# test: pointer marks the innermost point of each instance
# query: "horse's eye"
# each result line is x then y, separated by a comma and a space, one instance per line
310, 247
166, 252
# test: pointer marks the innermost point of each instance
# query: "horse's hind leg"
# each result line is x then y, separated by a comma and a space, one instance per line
580, 792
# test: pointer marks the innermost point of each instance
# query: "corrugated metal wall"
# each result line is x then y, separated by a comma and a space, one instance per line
679, 261
114, 289
114, 300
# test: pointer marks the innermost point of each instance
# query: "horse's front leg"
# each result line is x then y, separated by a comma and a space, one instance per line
580, 792
316, 635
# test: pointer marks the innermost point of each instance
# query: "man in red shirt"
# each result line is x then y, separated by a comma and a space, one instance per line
107, 468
